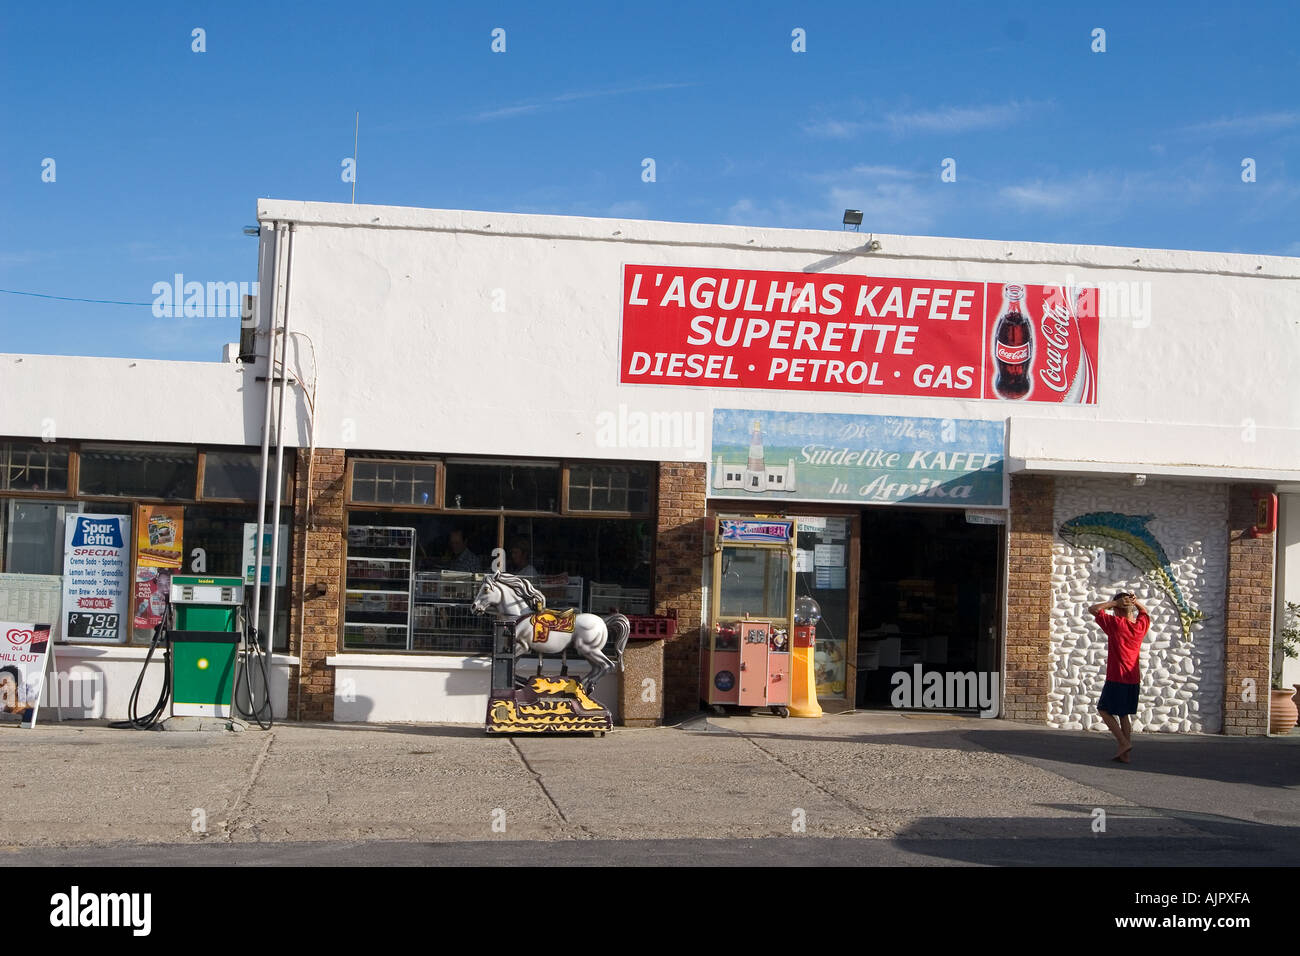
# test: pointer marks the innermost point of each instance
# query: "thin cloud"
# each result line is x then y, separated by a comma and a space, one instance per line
1040, 195
863, 171
834, 129
958, 119
554, 101
944, 120
1259, 123
1108, 193
892, 199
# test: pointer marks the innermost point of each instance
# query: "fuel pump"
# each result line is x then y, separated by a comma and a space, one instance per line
200, 632
204, 643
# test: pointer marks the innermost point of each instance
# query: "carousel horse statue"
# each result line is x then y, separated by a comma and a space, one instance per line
539, 630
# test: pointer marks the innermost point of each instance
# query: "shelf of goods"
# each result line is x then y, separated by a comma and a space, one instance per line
377, 606
563, 591
443, 617
608, 598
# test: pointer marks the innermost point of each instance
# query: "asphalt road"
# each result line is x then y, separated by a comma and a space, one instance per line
859, 789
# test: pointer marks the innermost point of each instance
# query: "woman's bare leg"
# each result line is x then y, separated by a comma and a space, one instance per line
1120, 737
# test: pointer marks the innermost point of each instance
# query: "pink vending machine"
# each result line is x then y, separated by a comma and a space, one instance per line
745, 660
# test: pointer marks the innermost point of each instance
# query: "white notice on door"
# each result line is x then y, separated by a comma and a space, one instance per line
830, 579
830, 556
837, 528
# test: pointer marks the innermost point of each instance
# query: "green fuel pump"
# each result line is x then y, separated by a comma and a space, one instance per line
204, 644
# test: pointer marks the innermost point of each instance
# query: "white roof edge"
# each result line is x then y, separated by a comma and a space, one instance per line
1278, 476
853, 244
119, 360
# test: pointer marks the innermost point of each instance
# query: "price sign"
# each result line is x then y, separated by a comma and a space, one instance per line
96, 558
82, 625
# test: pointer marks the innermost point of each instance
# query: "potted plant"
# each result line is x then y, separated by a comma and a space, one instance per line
1281, 708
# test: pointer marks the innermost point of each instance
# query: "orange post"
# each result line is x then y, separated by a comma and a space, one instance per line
803, 691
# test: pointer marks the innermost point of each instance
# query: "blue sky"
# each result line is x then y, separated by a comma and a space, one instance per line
161, 152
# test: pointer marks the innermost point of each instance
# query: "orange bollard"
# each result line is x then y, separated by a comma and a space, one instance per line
803, 680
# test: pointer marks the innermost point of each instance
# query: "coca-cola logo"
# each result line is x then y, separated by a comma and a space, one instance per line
1013, 354
1056, 333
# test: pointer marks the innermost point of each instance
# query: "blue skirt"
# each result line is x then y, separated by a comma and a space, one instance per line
1119, 699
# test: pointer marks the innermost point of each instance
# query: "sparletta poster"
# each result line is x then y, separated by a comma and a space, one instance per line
831, 332
96, 562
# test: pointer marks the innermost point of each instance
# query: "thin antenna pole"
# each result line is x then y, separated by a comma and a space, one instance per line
355, 135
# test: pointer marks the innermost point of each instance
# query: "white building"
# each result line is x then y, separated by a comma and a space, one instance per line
458, 370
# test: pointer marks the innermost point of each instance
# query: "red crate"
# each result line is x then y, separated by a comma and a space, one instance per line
653, 627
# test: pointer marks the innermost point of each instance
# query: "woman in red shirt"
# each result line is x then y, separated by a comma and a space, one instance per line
1119, 697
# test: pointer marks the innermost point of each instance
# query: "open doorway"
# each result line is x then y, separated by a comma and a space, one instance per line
928, 594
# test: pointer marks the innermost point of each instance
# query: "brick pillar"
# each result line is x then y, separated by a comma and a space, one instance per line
314, 625
1249, 607
679, 557
1029, 598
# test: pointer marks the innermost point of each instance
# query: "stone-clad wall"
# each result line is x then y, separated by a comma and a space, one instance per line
1182, 676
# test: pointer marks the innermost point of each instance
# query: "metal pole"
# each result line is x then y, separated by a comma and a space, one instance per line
279, 453
266, 424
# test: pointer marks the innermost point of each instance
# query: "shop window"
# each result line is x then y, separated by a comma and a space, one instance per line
33, 466
594, 564
213, 538
233, 476
411, 580
394, 482
496, 485
619, 488
141, 471
34, 536
34, 532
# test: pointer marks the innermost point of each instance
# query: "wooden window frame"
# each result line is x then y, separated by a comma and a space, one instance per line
286, 492
439, 484
72, 471
652, 490
146, 499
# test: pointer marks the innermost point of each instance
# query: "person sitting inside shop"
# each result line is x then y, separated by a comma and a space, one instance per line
517, 559
462, 558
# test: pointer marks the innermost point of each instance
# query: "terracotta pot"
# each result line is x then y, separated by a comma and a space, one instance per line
1281, 712
1296, 699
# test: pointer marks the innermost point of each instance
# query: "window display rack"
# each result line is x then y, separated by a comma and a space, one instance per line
443, 617
608, 598
377, 608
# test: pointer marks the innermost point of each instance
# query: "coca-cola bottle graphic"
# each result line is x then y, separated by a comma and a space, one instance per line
1013, 346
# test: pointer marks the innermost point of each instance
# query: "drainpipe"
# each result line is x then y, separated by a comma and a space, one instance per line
279, 306
279, 460
266, 423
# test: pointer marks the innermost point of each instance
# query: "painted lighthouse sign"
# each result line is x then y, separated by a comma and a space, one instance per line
755, 477
877, 459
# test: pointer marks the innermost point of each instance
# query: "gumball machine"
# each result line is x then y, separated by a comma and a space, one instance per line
803, 698
746, 659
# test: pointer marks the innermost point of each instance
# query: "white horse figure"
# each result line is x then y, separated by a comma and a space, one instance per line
517, 600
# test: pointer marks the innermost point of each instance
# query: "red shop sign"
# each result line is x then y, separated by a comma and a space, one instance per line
736, 328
